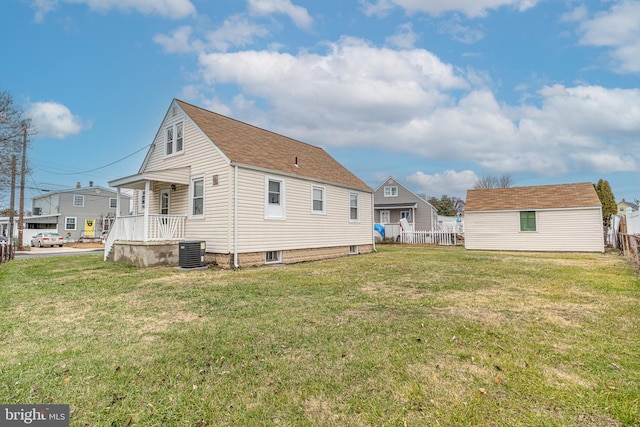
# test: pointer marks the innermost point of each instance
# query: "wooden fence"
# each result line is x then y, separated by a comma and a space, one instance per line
444, 238
630, 245
6, 253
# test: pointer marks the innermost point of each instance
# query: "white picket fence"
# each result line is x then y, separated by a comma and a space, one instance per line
444, 238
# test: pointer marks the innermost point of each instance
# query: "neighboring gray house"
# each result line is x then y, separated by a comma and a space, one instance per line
75, 213
561, 218
394, 201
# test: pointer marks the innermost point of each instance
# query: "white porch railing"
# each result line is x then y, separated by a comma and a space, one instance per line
445, 238
159, 228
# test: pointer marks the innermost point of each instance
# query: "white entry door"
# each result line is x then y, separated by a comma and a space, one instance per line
385, 217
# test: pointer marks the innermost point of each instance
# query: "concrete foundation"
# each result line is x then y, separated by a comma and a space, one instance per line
147, 254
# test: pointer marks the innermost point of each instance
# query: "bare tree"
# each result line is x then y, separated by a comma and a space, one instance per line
13, 124
489, 181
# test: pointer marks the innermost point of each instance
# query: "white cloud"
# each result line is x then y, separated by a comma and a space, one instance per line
178, 42
297, 14
52, 119
619, 30
449, 182
409, 101
460, 32
470, 8
405, 38
173, 9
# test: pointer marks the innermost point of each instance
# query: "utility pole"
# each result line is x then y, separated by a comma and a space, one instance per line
12, 206
22, 174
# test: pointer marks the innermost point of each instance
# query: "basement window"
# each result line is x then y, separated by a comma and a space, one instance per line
273, 257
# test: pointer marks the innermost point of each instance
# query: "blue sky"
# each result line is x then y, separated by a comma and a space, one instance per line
433, 92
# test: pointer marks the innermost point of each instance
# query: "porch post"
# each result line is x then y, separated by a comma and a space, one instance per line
117, 202
147, 187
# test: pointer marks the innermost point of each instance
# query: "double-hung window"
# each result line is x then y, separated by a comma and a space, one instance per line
197, 197
391, 191
317, 199
70, 223
78, 201
174, 139
354, 206
275, 198
528, 221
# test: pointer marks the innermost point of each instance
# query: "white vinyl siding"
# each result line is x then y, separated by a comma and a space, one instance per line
301, 229
201, 156
567, 230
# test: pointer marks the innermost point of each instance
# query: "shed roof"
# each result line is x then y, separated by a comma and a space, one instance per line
245, 144
560, 196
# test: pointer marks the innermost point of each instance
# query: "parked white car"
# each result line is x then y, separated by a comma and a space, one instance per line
47, 239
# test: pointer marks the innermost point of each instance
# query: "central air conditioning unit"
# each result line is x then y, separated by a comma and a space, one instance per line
191, 254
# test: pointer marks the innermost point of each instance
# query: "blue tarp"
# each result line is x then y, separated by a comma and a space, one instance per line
379, 228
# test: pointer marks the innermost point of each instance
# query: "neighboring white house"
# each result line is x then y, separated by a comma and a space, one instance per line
253, 196
563, 218
394, 201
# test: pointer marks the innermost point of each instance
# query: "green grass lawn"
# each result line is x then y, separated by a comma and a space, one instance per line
407, 336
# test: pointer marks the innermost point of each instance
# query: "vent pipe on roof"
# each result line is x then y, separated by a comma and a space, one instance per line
90, 183
78, 185
296, 163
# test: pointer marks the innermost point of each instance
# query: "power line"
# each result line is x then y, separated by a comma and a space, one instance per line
98, 168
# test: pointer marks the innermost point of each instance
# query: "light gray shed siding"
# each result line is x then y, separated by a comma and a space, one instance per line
564, 230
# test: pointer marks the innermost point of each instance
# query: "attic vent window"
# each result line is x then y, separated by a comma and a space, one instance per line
174, 110
214, 180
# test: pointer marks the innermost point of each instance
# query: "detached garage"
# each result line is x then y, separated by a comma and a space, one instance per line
554, 218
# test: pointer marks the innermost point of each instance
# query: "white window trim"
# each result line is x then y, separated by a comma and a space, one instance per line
273, 261
75, 223
351, 193
324, 200
391, 187
204, 196
74, 201
273, 212
174, 144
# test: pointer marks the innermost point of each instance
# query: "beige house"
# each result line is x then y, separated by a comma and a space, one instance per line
562, 218
253, 196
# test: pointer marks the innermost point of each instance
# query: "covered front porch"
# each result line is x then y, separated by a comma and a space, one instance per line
151, 233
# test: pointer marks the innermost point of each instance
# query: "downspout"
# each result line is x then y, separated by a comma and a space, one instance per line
235, 218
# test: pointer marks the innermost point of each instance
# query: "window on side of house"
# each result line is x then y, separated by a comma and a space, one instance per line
197, 197
70, 223
174, 139
271, 257
354, 206
113, 202
528, 221
406, 215
317, 199
78, 201
274, 198
391, 191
